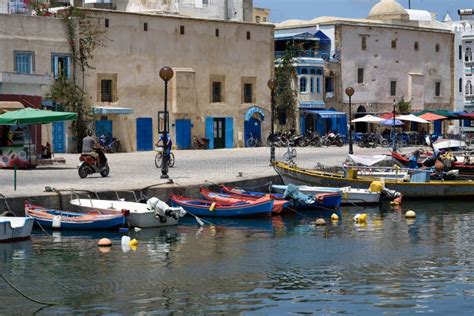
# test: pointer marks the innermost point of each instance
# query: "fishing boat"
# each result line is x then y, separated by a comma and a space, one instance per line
262, 206
349, 195
230, 198
15, 228
418, 185
328, 200
57, 219
154, 213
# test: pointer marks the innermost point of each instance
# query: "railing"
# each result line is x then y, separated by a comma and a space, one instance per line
304, 53
469, 97
469, 63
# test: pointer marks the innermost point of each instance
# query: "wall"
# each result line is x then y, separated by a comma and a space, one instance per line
382, 64
137, 56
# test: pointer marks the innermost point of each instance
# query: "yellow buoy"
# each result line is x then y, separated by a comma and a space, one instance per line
212, 207
360, 218
334, 217
104, 242
320, 222
133, 242
410, 214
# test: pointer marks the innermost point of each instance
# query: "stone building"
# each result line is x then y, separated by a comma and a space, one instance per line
261, 15
393, 53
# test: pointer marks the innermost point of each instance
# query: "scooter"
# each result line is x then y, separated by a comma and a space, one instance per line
88, 164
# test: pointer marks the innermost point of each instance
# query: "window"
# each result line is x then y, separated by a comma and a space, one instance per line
248, 93
393, 88
360, 75
106, 22
460, 84
304, 71
264, 19
417, 46
468, 87
394, 44
468, 56
217, 91
145, 27
364, 42
106, 90
205, 1
460, 52
437, 48
24, 62
257, 19
248, 35
60, 66
318, 85
437, 88
329, 84
303, 84
312, 71
217, 32
181, 29
311, 84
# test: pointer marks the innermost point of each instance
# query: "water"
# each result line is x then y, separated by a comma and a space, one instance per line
261, 266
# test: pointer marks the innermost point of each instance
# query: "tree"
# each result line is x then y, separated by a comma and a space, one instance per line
404, 106
285, 95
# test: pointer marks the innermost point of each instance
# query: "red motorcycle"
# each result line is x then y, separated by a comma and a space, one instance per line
90, 164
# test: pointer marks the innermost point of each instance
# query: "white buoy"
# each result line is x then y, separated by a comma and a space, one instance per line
334, 217
410, 214
57, 221
125, 240
320, 222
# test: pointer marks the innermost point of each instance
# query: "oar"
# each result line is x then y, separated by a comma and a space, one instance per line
199, 220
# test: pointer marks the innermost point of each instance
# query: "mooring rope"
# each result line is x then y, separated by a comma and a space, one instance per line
24, 295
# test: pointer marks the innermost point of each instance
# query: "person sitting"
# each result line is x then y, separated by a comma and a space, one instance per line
413, 161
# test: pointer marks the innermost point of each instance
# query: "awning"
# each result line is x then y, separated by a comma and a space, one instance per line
295, 36
312, 104
254, 109
105, 110
34, 116
6, 106
325, 113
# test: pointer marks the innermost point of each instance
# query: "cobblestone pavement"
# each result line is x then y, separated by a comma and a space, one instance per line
137, 170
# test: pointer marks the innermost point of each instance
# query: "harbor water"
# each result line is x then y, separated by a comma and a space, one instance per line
279, 265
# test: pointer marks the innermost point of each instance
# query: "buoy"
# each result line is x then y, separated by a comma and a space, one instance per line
320, 222
360, 218
137, 229
104, 242
125, 240
57, 221
133, 243
410, 214
393, 203
334, 217
104, 249
212, 207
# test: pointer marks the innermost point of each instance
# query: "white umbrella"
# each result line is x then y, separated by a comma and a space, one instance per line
368, 119
411, 118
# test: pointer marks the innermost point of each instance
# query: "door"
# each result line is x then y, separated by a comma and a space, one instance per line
219, 133
252, 128
144, 133
103, 127
58, 137
309, 123
183, 134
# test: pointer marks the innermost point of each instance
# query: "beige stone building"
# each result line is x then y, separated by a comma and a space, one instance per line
261, 15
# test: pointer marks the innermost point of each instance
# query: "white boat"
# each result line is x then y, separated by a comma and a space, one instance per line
349, 195
154, 213
15, 228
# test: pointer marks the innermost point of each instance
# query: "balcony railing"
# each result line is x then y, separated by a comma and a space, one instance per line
469, 63
304, 53
469, 97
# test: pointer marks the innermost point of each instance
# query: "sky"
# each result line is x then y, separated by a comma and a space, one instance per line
282, 10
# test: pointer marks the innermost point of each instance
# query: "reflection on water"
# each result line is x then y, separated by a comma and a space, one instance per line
282, 264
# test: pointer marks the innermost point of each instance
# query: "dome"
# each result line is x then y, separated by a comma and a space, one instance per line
388, 10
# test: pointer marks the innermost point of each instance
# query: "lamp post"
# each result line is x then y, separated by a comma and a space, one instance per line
350, 93
272, 84
166, 73
394, 143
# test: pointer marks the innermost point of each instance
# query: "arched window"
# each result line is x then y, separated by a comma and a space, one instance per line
468, 87
304, 71
311, 84
312, 71
468, 56
318, 85
303, 83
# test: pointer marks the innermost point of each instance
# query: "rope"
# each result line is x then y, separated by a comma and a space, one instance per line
299, 213
44, 231
24, 295
6, 203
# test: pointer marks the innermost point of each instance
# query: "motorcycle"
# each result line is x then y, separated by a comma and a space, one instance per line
200, 142
332, 139
367, 140
89, 164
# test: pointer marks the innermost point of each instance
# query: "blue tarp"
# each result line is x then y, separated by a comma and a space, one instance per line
328, 121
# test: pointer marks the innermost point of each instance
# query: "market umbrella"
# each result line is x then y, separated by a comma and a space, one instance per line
432, 117
391, 123
411, 118
30, 116
368, 119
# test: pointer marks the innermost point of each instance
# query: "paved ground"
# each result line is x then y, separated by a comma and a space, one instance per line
137, 170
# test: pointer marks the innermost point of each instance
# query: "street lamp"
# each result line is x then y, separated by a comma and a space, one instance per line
272, 84
166, 73
394, 143
350, 93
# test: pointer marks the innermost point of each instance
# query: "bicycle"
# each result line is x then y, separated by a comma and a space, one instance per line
253, 141
290, 154
159, 157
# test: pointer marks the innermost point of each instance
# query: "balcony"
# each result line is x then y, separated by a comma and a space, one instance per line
469, 64
469, 97
29, 79
304, 54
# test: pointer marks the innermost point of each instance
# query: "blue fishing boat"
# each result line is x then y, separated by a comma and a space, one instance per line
198, 207
49, 218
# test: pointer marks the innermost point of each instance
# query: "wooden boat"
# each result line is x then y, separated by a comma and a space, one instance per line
329, 200
137, 214
57, 219
230, 198
15, 228
349, 195
410, 189
262, 206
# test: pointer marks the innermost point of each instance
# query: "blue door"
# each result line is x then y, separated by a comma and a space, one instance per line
183, 134
210, 131
58, 137
144, 133
229, 132
252, 128
103, 127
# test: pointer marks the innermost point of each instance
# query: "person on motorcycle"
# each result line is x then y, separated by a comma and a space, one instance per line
90, 147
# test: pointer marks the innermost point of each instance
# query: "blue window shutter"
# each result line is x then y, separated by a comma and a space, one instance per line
67, 65
318, 86
229, 132
210, 131
302, 127
56, 66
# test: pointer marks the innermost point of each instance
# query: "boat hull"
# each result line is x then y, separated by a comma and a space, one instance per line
15, 228
432, 189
